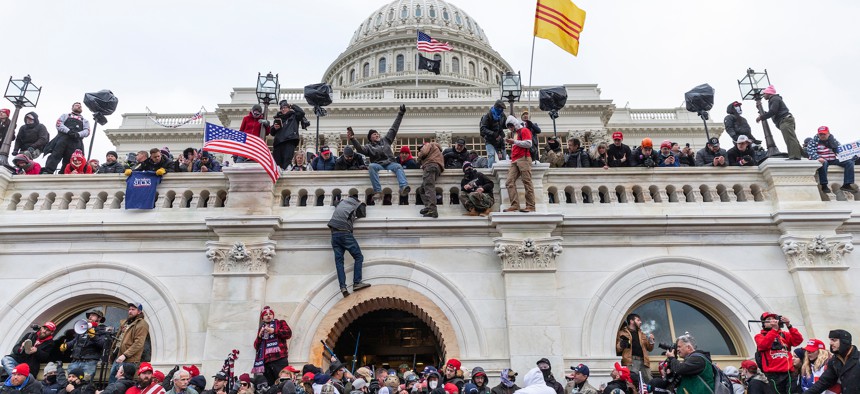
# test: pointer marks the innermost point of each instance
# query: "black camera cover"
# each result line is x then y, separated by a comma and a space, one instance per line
318, 95
700, 98
553, 98
102, 102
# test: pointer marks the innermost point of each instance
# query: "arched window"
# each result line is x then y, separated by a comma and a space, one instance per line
486, 74
445, 14
472, 70
378, 20
469, 23
670, 317
113, 310
390, 14
417, 11
404, 13
365, 70
458, 19
455, 65
352, 75
340, 81
399, 60
432, 12
382, 65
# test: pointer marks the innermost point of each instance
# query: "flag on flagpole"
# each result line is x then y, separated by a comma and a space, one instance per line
561, 22
427, 44
429, 64
233, 142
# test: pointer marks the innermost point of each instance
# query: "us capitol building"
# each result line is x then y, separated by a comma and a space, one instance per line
697, 250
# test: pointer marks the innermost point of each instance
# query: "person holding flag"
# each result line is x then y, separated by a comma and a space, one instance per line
233, 142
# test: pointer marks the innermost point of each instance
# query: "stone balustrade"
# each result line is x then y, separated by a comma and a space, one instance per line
560, 190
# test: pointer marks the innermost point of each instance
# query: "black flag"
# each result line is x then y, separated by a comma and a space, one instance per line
429, 64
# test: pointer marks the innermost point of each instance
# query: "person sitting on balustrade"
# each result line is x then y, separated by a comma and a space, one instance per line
381, 157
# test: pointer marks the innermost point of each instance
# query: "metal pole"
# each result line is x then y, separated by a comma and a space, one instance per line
92, 139
772, 150
707, 135
265, 117
554, 130
531, 65
7, 139
318, 132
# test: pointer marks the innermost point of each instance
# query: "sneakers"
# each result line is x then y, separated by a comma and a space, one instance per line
424, 210
431, 214
26, 345
848, 188
344, 291
405, 190
377, 198
512, 209
359, 286
825, 189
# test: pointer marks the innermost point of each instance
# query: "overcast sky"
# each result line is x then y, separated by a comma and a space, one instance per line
174, 56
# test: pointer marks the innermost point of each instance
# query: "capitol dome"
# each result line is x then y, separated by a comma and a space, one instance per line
382, 50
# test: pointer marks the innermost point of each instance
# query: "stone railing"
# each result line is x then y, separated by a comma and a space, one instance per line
775, 184
145, 121
627, 115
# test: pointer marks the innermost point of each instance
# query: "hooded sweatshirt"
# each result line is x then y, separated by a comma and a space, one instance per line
82, 168
251, 124
33, 135
32, 168
534, 383
736, 124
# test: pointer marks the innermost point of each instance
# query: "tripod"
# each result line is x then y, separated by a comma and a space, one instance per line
105, 359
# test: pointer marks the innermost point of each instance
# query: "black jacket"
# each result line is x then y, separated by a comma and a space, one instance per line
616, 384
843, 370
41, 355
357, 163
578, 159
640, 159
493, 130
31, 386
112, 168
118, 387
86, 347
705, 157
776, 110
480, 180
290, 123
735, 155
31, 136
535, 129
736, 125
454, 159
502, 389
616, 153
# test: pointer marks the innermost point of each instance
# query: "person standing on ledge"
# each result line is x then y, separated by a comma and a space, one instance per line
521, 165
783, 120
346, 212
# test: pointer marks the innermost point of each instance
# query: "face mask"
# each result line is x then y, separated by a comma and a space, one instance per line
739, 110
51, 379
433, 384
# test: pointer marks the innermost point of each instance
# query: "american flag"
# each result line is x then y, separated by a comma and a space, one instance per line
427, 44
643, 387
223, 140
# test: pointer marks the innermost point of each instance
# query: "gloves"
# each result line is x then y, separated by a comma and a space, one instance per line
127, 172
264, 123
160, 172
63, 347
625, 342
74, 134
305, 124
402, 109
91, 332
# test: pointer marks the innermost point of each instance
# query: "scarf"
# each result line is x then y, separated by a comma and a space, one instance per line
505, 381
497, 113
268, 345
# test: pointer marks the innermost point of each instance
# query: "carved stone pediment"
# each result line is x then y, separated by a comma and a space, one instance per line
528, 255
817, 253
241, 258
443, 138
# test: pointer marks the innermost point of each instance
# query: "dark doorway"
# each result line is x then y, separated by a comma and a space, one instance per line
389, 338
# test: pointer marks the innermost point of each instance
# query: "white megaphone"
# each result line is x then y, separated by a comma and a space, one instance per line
81, 326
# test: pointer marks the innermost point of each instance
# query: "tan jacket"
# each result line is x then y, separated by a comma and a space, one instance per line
131, 340
587, 388
627, 354
431, 152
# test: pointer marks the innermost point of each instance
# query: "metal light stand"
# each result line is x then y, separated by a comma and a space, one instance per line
553, 114
319, 112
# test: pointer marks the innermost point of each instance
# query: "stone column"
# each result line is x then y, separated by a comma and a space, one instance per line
240, 258
527, 252
500, 172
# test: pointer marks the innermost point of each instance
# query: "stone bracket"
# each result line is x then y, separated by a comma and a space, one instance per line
239, 258
529, 254
816, 253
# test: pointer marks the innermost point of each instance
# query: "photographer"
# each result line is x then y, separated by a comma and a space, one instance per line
742, 154
286, 133
633, 346
711, 155
774, 348
645, 156
87, 346
695, 372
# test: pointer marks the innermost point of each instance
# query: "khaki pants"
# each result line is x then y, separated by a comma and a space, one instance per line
522, 168
640, 366
786, 126
428, 186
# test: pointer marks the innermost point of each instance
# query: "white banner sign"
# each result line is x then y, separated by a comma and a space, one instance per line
848, 151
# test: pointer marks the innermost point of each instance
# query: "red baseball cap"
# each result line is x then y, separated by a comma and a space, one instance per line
290, 368
308, 377
192, 370
749, 364
144, 367
768, 314
617, 135
813, 345
454, 363
50, 325
451, 388
625, 372
823, 130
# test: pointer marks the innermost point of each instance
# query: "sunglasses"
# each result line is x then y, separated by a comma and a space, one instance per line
245, 384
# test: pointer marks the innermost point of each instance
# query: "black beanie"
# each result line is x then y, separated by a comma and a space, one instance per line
110, 152
371, 132
128, 370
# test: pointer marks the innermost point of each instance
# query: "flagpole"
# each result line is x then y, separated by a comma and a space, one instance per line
531, 65
417, 29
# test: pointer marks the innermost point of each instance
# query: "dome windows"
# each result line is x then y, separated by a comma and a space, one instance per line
390, 14
455, 65
365, 70
486, 74
378, 19
418, 11
458, 19
352, 75
445, 14
432, 12
404, 12
399, 63
382, 65
472, 70
469, 24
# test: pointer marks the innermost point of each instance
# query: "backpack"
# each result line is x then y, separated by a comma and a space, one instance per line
722, 384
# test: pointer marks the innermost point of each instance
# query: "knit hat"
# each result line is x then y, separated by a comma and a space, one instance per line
461, 141
749, 365
192, 370
842, 335
359, 384
158, 376
348, 151
617, 135
77, 371
144, 367
199, 381
283, 103
371, 132
813, 345
467, 164
110, 152
128, 370
267, 309
769, 90
470, 388
451, 388
22, 369
245, 378
453, 363
405, 149
666, 144
51, 367
823, 130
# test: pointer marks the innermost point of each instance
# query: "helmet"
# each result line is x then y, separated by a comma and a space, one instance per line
647, 143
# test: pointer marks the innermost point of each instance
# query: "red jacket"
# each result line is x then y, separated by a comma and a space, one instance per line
777, 360
251, 125
282, 332
524, 134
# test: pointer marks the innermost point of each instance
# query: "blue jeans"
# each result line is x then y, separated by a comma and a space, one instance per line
344, 241
374, 169
492, 155
847, 165
9, 364
89, 367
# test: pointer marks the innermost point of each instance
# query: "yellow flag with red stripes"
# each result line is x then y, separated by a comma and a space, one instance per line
561, 22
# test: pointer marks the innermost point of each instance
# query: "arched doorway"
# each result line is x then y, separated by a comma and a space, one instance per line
389, 338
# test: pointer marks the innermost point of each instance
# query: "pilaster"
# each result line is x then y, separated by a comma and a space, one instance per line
501, 170
250, 190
